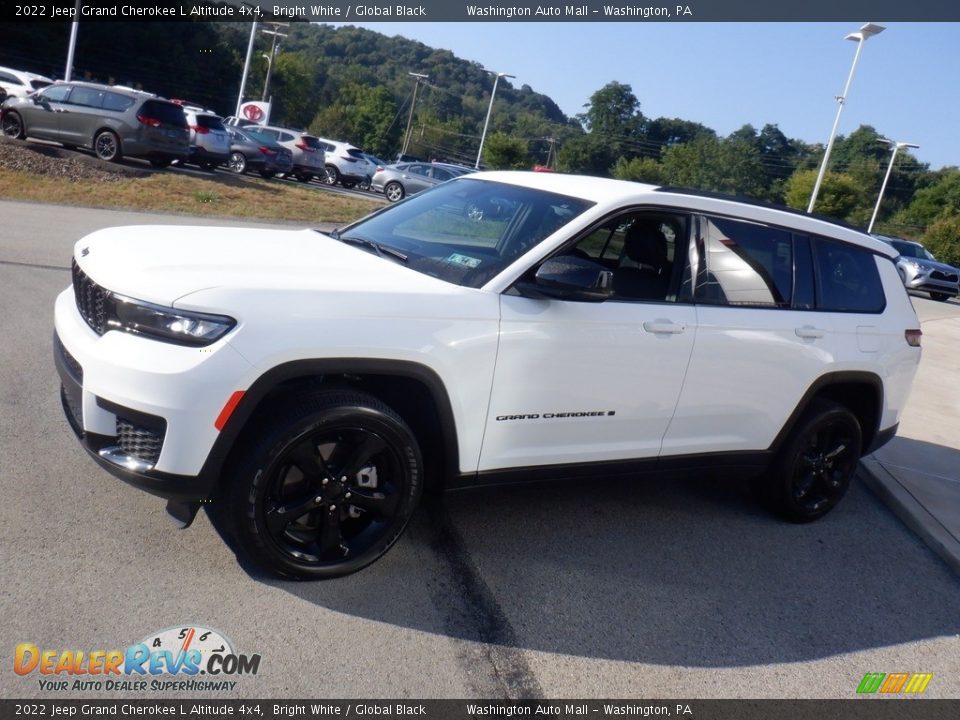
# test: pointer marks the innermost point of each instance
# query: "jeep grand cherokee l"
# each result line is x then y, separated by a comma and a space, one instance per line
501, 326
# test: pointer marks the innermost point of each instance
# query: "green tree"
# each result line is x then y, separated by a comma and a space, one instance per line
588, 154
641, 169
939, 199
292, 90
707, 163
505, 152
362, 115
943, 239
839, 196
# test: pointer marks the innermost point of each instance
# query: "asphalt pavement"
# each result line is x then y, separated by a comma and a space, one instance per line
630, 589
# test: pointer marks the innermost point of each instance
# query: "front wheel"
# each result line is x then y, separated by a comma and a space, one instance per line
237, 163
394, 191
304, 178
815, 466
940, 297
106, 145
331, 175
13, 126
326, 485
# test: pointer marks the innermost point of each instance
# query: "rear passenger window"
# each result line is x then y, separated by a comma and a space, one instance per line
847, 278
745, 264
118, 103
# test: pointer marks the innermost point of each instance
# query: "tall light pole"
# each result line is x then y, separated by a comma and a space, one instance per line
406, 136
896, 148
860, 37
486, 122
246, 66
273, 51
71, 49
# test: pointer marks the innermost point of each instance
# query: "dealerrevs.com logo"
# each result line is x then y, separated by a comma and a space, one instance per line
184, 658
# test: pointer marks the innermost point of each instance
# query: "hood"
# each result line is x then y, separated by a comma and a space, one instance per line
162, 263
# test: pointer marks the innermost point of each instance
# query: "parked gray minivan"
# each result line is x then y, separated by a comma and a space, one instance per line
114, 121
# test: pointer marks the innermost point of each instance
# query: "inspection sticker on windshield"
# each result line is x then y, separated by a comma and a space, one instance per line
459, 259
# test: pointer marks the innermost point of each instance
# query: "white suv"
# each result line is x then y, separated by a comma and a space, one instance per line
499, 327
19, 83
345, 164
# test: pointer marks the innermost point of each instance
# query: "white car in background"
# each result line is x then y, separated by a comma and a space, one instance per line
19, 83
345, 163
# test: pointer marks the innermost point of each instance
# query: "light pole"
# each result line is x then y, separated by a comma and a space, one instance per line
486, 122
246, 66
883, 187
860, 37
71, 49
273, 52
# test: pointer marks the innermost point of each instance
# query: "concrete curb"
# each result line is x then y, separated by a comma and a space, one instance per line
906, 507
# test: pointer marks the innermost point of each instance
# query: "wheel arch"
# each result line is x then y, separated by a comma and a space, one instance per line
859, 391
413, 390
106, 128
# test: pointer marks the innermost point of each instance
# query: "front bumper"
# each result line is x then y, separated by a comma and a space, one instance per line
927, 280
143, 409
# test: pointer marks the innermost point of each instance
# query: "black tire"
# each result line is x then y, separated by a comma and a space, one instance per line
295, 491
106, 146
304, 178
331, 175
13, 126
267, 174
813, 469
394, 191
207, 166
237, 163
348, 184
161, 162
939, 297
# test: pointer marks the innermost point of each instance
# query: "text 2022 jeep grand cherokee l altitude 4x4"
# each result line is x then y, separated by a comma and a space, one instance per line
502, 326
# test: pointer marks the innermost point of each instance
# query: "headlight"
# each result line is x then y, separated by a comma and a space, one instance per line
913, 265
168, 324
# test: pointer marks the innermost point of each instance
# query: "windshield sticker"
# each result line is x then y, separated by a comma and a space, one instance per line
465, 260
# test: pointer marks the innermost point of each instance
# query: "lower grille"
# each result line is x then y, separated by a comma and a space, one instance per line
139, 442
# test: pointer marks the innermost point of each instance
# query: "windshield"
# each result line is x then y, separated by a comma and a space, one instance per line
467, 231
912, 250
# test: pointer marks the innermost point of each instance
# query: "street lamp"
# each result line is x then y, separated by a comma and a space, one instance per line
860, 37
896, 148
486, 122
273, 52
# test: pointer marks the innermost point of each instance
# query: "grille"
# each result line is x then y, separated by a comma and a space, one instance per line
940, 275
72, 365
91, 299
139, 442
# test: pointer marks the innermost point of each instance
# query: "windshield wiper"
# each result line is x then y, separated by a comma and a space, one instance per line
380, 250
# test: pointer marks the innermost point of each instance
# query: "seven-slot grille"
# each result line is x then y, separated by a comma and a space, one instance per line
139, 442
92, 300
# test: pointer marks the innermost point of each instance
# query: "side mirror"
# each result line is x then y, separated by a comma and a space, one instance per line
574, 278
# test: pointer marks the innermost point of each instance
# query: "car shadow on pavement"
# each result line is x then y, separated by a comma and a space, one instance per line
684, 572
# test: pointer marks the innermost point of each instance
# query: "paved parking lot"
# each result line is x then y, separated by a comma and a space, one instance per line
623, 589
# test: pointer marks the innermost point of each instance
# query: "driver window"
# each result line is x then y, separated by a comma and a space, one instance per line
641, 250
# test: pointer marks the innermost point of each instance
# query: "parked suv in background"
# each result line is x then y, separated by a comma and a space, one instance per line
345, 163
499, 327
112, 120
920, 270
19, 83
209, 142
308, 155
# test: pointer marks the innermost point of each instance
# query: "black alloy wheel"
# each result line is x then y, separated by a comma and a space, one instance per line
816, 465
106, 145
328, 485
13, 126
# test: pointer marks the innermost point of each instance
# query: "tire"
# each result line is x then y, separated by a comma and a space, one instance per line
106, 146
349, 184
207, 166
939, 297
237, 163
394, 191
304, 178
295, 492
331, 176
160, 162
813, 469
13, 126
267, 174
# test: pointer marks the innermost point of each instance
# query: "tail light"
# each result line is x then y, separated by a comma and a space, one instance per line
200, 129
267, 151
913, 336
148, 121
303, 146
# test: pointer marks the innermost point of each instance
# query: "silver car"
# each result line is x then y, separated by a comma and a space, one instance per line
308, 155
398, 181
113, 121
920, 270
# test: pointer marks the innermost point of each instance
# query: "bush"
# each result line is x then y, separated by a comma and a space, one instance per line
943, 239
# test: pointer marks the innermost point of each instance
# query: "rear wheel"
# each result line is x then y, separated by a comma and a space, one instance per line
106, 145
13, 126
815, 466
237, 163
394, 191
304, 178
332, 175
941, 297
326, 485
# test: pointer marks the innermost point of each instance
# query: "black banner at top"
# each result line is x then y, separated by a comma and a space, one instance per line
485, 11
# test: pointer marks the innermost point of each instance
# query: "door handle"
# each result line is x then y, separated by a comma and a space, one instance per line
664, 327
810, 332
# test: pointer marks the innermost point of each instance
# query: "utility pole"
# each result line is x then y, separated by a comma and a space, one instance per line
406, 136
552, 152
273, 53
486, 123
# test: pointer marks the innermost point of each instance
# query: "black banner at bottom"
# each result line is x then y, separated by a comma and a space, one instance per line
859, 709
